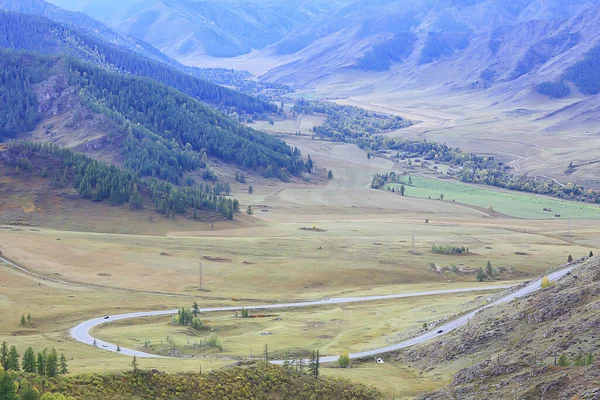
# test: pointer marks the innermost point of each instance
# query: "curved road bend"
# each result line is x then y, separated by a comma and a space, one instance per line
81, 332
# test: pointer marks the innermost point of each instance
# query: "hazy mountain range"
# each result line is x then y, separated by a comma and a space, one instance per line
475, 42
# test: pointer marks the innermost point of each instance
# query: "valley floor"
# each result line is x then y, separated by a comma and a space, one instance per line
305, 241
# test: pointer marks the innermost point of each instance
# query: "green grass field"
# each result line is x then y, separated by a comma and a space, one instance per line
513, 204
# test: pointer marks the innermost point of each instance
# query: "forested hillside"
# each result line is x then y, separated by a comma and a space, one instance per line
163, 131
98, 181
32, 33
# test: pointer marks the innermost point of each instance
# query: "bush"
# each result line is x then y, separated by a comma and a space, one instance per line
213, 341
344, 360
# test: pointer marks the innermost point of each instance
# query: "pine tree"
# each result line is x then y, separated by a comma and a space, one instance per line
250, 189
330, 174
62, 365
489, 270
8, 389
23, 322
134, 365
29, 361
249, 210
41, 363
52, 364
118, 348
195, 308
570, 258
402, 190
563, 360
309, 164
591, 253
135, 200
28, 317
314, 364
3, 355
12, 363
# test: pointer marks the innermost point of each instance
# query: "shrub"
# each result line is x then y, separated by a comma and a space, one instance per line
344, 360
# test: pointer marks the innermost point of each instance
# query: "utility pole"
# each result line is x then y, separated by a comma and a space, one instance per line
200, 276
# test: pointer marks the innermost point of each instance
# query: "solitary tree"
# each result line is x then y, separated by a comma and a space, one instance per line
344, 360
402, 190
481, 275
489, 270
23, 322
118, 348
570, 258
410, 180
545, 282
249, 210
591, 253
250, 189
195, 308
134, 365
442, 196
330, 174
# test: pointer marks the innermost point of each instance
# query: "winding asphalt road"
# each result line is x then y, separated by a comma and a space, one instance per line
82, 334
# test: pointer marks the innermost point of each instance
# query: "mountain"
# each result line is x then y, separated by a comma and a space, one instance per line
476, 43
224, 28
34, 33
151, 128
542, 346
93, 27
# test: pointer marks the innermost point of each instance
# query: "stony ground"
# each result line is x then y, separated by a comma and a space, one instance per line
512, 351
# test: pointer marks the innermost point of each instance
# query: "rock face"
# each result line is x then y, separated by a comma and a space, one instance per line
513, 350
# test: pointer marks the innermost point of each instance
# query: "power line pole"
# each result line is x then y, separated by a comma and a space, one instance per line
200, 276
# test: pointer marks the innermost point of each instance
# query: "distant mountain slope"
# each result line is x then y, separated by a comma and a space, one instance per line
34, 33
159, 131
225, 28
474, 43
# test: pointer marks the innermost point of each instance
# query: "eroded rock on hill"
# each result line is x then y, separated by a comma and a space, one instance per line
514, 351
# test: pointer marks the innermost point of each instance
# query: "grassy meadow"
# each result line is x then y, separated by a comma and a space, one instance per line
510, 203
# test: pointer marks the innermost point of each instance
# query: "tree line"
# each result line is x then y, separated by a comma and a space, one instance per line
472, 168
98, 181
348, 123
45, 363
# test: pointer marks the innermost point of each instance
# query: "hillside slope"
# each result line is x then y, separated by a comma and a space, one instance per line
34, 33
511, 351
159, 131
